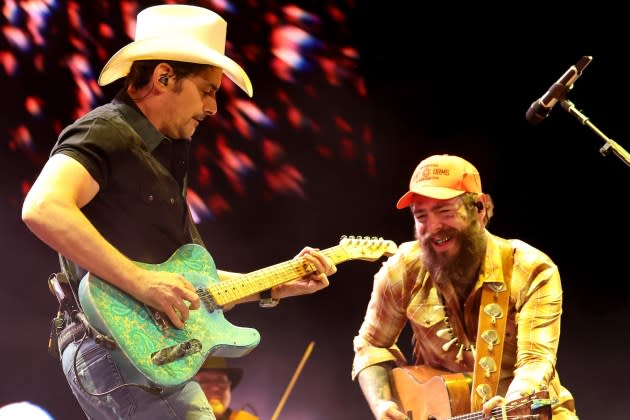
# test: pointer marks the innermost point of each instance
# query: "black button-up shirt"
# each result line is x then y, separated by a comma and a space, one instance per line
141, 205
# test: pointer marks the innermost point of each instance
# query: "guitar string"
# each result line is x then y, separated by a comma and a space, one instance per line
261, 277
264, 277
498, 411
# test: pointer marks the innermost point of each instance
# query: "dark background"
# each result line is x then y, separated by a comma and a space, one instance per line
447, 80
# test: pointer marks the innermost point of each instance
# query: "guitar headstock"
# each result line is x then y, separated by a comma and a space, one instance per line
367, 248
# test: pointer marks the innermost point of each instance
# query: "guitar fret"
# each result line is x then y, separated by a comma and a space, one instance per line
228, 291
234, 289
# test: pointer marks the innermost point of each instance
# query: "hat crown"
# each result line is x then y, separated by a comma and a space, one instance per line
213, 363
177, 32
442, 177
446, 171
196, 24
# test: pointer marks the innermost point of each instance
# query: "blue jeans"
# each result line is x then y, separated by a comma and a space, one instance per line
98, 373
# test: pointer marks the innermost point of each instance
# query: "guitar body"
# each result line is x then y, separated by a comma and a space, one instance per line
426, 393
138, 336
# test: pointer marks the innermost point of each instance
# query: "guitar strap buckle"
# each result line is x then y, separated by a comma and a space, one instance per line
56, 326
60, 287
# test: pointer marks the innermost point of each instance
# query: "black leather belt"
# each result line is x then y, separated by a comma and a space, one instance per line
72, 332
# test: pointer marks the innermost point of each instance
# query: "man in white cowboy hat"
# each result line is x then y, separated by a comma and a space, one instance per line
218, 380
113, 193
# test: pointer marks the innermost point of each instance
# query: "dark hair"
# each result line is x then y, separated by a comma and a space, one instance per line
142, 70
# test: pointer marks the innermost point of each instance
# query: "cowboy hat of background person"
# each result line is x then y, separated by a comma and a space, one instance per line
177, 32
217, 381
219, 364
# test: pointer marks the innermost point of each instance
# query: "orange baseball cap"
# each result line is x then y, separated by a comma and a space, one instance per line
441, 177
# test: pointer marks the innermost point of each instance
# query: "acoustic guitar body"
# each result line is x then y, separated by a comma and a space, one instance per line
425, 393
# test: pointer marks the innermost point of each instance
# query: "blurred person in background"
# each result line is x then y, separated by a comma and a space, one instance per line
218, 380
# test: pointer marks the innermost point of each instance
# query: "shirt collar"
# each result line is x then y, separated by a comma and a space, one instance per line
492, 266
138, 121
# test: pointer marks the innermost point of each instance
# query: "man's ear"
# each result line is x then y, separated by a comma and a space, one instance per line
482, 202
485, 207
162, 73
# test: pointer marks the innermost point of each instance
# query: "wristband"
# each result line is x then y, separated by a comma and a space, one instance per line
266, 301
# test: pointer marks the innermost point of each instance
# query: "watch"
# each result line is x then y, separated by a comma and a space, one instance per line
266, 301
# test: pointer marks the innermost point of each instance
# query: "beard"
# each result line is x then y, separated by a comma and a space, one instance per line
459, 268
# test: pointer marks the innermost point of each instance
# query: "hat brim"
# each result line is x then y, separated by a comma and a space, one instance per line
439, 193
235, 375
176, 49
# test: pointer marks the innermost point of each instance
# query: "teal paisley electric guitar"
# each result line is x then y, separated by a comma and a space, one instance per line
149, 346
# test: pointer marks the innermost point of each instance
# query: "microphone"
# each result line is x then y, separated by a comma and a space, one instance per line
540, 108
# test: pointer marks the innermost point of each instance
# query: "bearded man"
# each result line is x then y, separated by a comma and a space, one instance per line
474, 350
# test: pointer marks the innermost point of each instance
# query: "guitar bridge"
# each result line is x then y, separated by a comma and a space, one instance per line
176, 352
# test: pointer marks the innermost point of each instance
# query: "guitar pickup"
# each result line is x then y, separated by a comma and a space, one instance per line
176, 352
161, 322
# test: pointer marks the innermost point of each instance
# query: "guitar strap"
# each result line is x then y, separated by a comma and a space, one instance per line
192, 227
69, 275
493, 312
193, 231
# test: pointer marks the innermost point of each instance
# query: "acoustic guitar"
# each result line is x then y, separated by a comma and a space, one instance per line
149, 346
425, 393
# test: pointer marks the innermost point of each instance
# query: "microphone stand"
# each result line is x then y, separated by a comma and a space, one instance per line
568, 106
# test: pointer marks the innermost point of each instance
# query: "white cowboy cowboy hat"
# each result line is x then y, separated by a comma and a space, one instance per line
177, 32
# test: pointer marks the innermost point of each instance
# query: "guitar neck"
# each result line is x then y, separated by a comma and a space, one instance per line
535, 406
478, 415
232, 290
497, 413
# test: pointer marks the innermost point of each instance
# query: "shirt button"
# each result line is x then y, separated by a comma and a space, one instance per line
172, 200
